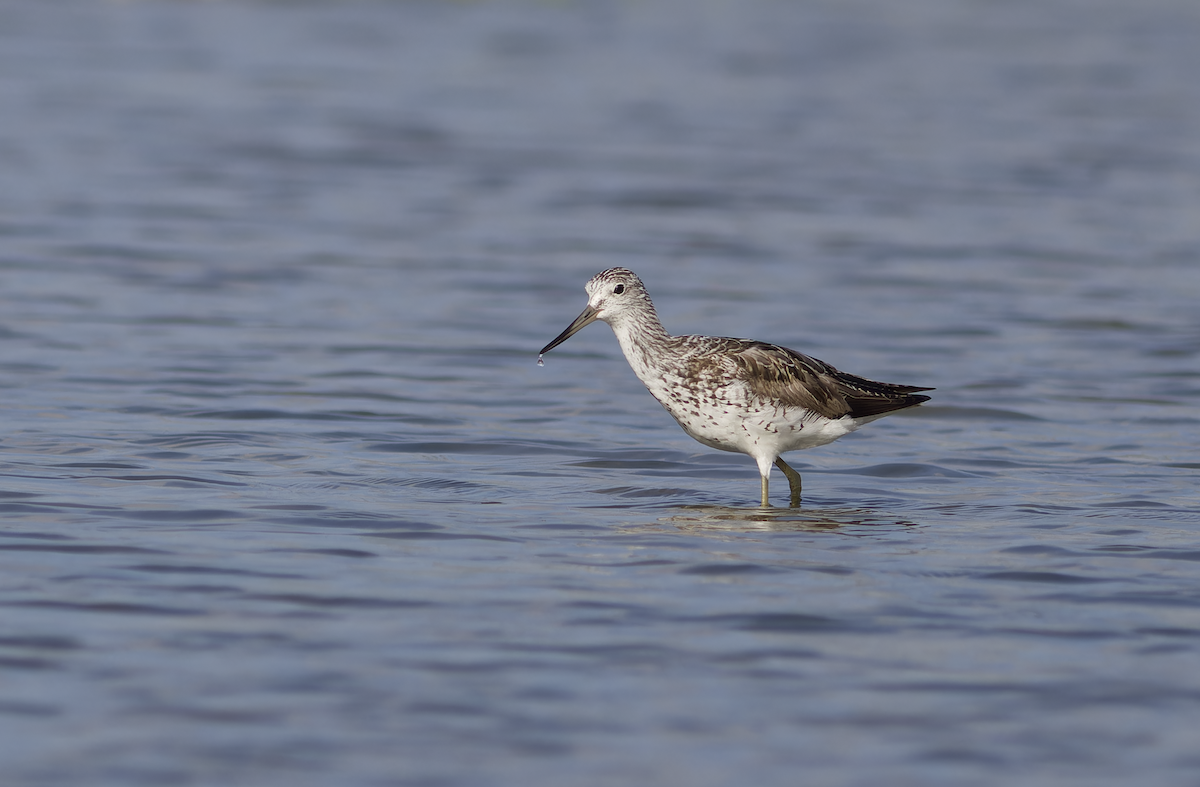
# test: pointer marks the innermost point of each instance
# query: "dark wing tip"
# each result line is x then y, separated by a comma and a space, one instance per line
863, 406
866, 398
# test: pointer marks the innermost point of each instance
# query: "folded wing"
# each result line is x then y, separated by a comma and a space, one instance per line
798, 380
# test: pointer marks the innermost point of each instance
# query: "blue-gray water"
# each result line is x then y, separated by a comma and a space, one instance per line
287, 501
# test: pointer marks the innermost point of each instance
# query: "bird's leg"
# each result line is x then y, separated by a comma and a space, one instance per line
764, 502
793, 481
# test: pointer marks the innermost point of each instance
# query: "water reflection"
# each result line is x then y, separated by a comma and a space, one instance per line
845, 521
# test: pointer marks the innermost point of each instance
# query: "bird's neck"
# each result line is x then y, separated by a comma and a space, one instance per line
643, 340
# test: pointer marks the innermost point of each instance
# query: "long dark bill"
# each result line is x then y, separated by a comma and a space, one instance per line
583, 320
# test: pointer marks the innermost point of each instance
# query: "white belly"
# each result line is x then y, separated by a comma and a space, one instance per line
731, 419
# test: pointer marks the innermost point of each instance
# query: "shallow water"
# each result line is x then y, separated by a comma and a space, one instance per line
287, 500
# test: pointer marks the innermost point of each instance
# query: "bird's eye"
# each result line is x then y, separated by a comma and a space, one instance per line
620, 288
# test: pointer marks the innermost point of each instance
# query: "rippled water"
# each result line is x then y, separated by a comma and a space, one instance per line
286, 499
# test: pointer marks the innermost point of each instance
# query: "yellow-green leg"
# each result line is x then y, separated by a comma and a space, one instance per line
793, 481
764, 502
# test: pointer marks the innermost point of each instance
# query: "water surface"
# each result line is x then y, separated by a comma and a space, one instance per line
287, 499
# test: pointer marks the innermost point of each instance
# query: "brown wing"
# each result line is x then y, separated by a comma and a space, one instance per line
797, 380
